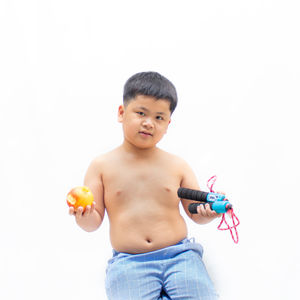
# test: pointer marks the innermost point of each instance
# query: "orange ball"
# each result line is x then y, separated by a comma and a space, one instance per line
80, 196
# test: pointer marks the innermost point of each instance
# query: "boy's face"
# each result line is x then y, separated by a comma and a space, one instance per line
145, 120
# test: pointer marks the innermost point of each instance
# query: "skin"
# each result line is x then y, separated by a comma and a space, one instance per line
136, 184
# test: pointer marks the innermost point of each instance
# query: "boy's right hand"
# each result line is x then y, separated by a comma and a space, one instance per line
88, 218
81, 213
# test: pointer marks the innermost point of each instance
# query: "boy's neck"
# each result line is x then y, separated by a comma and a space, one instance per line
138, 152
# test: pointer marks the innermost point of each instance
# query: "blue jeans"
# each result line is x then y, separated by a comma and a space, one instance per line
174, 272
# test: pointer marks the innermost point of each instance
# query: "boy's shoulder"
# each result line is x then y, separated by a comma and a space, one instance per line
174, 158
99, 163
101, 159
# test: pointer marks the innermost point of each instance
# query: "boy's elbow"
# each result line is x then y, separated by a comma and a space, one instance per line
92, 229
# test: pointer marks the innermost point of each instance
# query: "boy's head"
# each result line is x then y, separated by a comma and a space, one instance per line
150, 84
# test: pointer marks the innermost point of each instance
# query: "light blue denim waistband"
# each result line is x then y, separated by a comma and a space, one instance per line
184, 241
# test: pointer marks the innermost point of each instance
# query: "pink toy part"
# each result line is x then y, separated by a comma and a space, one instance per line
235, 221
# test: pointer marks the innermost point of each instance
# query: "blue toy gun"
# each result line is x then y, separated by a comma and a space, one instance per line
216, 201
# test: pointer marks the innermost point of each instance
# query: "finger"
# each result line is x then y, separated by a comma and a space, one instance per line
201, 210
212, 214
92, 207
207, 207
206, 211
209, 211
71, 211
87, 210
79, 212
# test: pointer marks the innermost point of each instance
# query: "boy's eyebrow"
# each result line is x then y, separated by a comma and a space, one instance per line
147, 110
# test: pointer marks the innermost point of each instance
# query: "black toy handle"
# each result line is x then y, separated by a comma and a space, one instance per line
190, 194
193, 207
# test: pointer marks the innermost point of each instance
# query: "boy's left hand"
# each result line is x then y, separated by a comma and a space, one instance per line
206, 211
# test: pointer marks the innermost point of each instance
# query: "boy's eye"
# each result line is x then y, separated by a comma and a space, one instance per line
159, 118
140, 113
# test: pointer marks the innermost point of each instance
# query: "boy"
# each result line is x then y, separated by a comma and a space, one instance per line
137, 185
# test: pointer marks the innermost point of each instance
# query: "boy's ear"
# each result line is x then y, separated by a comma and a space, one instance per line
167, 126
121, 110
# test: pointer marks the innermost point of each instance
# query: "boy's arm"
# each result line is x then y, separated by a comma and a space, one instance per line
92, 217
205, 214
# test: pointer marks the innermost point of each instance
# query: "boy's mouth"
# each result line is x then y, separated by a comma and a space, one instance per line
145, 133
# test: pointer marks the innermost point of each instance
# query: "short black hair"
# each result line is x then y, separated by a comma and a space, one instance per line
150, 84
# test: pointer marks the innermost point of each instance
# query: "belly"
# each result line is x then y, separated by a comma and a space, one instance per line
145, 232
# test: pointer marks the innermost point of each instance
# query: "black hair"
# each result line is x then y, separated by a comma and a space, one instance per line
150, 84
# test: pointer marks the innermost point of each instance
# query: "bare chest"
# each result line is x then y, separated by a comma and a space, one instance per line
128, 183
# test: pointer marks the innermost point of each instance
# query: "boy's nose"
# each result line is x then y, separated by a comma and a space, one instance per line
148, 123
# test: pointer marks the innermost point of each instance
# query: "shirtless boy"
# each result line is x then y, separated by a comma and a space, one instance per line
137, 184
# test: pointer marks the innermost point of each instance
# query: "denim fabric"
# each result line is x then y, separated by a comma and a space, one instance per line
174, 272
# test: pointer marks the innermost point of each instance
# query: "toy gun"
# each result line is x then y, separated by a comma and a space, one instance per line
216, 201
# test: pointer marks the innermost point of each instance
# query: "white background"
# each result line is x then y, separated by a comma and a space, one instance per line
63, 65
